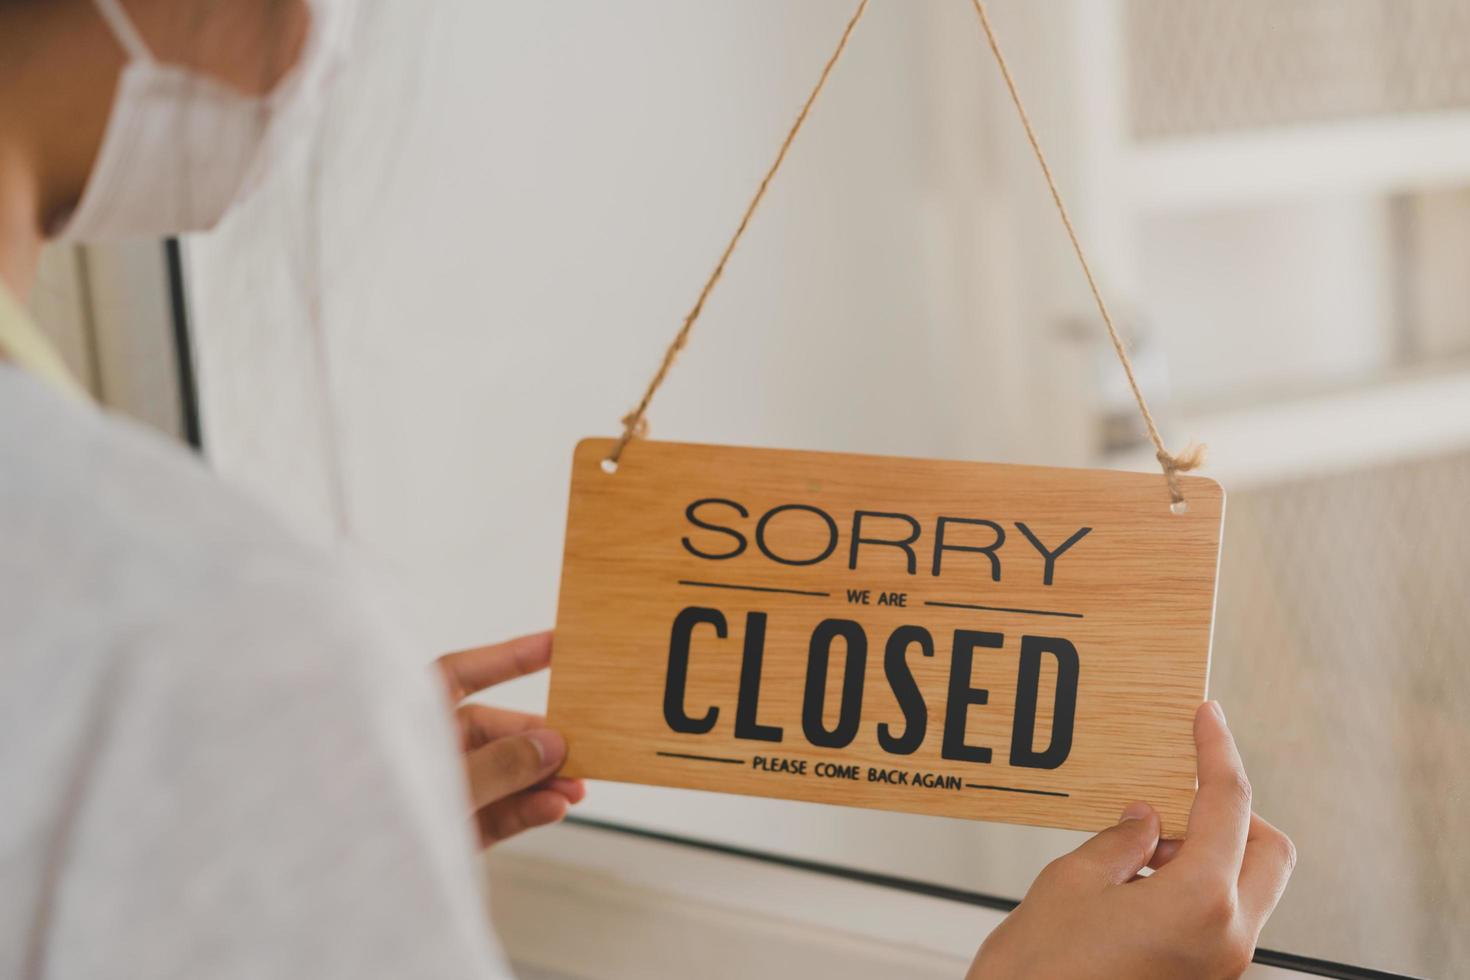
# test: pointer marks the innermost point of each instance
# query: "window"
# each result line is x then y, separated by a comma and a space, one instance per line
483, 266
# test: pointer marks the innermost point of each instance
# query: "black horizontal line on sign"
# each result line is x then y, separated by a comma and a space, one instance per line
1024, 612
750, 588
700, 758
1015, 789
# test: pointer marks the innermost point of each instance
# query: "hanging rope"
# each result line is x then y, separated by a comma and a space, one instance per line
1193, 455
635, 423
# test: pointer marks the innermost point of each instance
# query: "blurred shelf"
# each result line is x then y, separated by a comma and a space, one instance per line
1376, 155
638, 906
593, 900
1368, 426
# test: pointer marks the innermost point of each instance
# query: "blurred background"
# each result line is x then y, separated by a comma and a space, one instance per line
514, 204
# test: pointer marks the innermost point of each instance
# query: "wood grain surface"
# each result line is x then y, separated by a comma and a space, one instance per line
685, 542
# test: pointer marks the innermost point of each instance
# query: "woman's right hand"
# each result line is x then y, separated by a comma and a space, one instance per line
1089, 914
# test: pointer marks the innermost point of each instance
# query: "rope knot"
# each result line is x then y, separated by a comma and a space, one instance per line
1192, 458
635, 426
635, 423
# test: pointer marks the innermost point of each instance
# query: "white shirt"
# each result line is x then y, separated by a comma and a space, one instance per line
214, 759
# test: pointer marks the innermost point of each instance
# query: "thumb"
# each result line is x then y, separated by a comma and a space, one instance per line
1121, 851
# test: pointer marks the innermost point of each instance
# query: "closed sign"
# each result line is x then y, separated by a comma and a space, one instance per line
994, 642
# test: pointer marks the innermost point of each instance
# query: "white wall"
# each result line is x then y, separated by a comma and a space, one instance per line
1250, 301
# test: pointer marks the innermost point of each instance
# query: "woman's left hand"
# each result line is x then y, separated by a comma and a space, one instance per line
510, 757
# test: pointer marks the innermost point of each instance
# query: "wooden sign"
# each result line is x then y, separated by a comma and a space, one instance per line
995, 642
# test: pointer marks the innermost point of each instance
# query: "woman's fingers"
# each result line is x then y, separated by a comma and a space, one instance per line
511, 764
480, 724
575, 790
511, 757
1269, 858
523, 811
1220, 817
475, 669
1166, 851
529, 808
1115, 855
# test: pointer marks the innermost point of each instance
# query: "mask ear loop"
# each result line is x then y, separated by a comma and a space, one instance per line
123, 29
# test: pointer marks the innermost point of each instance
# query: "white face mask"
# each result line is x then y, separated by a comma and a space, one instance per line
181, 148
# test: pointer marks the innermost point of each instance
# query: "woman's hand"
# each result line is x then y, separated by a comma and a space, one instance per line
1199, 915
509, 756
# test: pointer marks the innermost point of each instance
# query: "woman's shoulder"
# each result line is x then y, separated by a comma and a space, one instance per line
115, 530
234, 707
